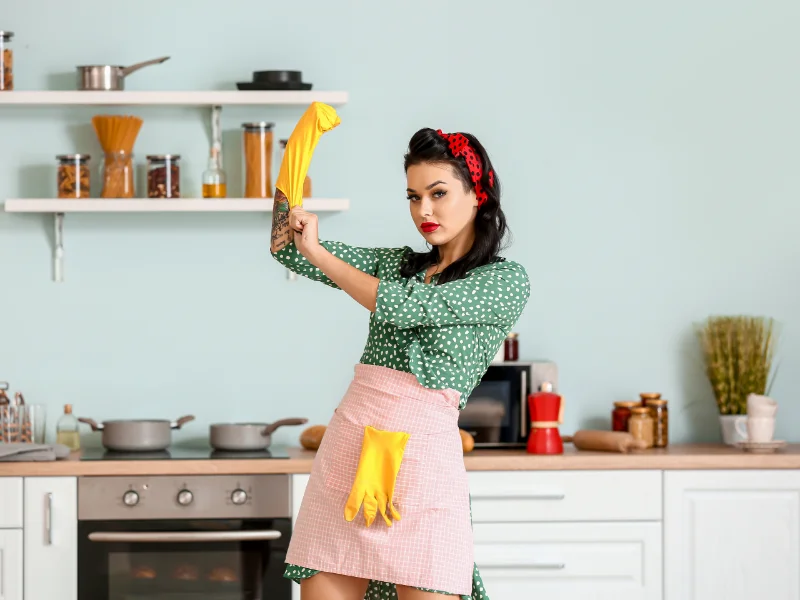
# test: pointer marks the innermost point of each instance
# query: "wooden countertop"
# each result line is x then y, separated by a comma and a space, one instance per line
687, 456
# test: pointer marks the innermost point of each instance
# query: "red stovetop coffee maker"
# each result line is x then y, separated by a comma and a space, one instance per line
547, 413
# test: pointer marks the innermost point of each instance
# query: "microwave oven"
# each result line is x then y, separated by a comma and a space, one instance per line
496, 413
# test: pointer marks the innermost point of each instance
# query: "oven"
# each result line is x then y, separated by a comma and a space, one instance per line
203, 537
496, 413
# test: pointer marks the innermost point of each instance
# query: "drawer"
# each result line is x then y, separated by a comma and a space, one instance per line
570, 561
11, 502
532, 496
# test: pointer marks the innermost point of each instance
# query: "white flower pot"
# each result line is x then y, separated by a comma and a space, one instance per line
729, 434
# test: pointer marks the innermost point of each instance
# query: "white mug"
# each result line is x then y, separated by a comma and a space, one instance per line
759, 429
761, 406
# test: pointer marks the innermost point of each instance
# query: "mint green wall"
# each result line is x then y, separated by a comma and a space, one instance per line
648, 151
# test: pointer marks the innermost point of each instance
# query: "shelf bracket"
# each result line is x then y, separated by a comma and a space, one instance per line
58, 248
216, 132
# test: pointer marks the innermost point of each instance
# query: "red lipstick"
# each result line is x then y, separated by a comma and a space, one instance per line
429, 227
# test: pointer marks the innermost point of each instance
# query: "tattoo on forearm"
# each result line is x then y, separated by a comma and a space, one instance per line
281, 233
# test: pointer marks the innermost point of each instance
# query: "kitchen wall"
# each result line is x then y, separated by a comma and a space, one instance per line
648, 153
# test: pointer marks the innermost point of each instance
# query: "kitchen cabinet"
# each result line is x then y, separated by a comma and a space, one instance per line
10, 564
570, 561
732, 534
10, 503
50, 538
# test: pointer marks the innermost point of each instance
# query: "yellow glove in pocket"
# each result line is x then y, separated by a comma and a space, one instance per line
381, 455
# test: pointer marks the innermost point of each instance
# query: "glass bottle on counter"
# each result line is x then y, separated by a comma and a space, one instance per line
6, 62
641, 425
214, 181
67, 431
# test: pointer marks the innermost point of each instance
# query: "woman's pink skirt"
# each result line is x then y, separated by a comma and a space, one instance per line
431, 546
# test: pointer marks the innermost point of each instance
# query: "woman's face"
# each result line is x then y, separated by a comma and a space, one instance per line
440, 207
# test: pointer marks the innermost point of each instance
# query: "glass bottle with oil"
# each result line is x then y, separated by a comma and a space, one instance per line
67, 431
214, 182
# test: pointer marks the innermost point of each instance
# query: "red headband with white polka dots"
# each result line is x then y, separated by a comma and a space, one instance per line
459, 146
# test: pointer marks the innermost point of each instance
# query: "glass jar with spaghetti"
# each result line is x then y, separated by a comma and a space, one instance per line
163, 176
6, 62
116, 172
257, 142
73, 175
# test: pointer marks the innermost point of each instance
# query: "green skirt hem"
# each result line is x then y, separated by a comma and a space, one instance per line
375, 590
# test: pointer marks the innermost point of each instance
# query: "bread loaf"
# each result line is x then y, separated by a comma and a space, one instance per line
311, 437
604, 441
467, 441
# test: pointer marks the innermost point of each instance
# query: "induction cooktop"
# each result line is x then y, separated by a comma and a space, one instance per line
178, 453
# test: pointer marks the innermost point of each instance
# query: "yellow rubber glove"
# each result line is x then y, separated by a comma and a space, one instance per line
381, 455
317, 119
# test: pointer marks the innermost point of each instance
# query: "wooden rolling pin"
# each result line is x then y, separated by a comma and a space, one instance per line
604, 441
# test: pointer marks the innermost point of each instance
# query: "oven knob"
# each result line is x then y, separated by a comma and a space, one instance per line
239, 497
185, 497
130, 498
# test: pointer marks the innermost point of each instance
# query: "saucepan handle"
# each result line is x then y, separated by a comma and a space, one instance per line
92, 423
181, 422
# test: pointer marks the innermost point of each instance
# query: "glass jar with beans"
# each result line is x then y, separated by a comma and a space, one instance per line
163, 176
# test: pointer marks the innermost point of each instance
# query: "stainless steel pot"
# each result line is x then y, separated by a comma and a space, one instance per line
137, 435
109, 77
246, 436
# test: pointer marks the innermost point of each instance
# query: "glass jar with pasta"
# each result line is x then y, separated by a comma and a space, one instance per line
257, 142
117, 175
73, 175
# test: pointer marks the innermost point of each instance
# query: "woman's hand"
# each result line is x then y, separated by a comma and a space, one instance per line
306, 236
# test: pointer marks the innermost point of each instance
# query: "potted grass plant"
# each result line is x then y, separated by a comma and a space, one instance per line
738, 352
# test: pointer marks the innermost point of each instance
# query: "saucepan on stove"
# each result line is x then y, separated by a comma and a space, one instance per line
246, 436
137, 435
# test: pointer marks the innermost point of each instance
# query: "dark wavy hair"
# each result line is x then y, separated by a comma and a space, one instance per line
427, 146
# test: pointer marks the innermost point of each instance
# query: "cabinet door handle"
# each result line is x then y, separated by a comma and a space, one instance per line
48, 519
548, 566
522, 497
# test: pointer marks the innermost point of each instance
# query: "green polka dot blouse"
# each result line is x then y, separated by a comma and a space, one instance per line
446, 335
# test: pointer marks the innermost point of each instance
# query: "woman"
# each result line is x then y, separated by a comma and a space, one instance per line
386, 512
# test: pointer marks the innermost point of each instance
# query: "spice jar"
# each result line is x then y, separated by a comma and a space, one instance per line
257, 140
73, 175
511, 347
621, 414
163, 176
644, 397
658, 410
640, 425
6, 62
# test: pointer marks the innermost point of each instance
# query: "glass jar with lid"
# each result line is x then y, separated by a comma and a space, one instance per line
116, 173
6, 62
257, 144
163, 176
621, 414
641, 425
73, 175
658, 410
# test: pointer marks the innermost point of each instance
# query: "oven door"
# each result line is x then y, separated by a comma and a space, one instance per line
496, 411
220, 559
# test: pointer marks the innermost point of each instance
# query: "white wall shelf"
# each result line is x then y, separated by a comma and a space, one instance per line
103, 205
59, 207
162, 98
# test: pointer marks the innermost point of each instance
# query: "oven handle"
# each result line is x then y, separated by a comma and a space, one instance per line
183, 536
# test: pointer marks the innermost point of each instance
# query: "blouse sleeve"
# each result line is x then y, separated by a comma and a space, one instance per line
364, 259
493, 296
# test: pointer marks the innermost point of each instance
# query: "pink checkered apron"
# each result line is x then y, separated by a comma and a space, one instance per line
431, 546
